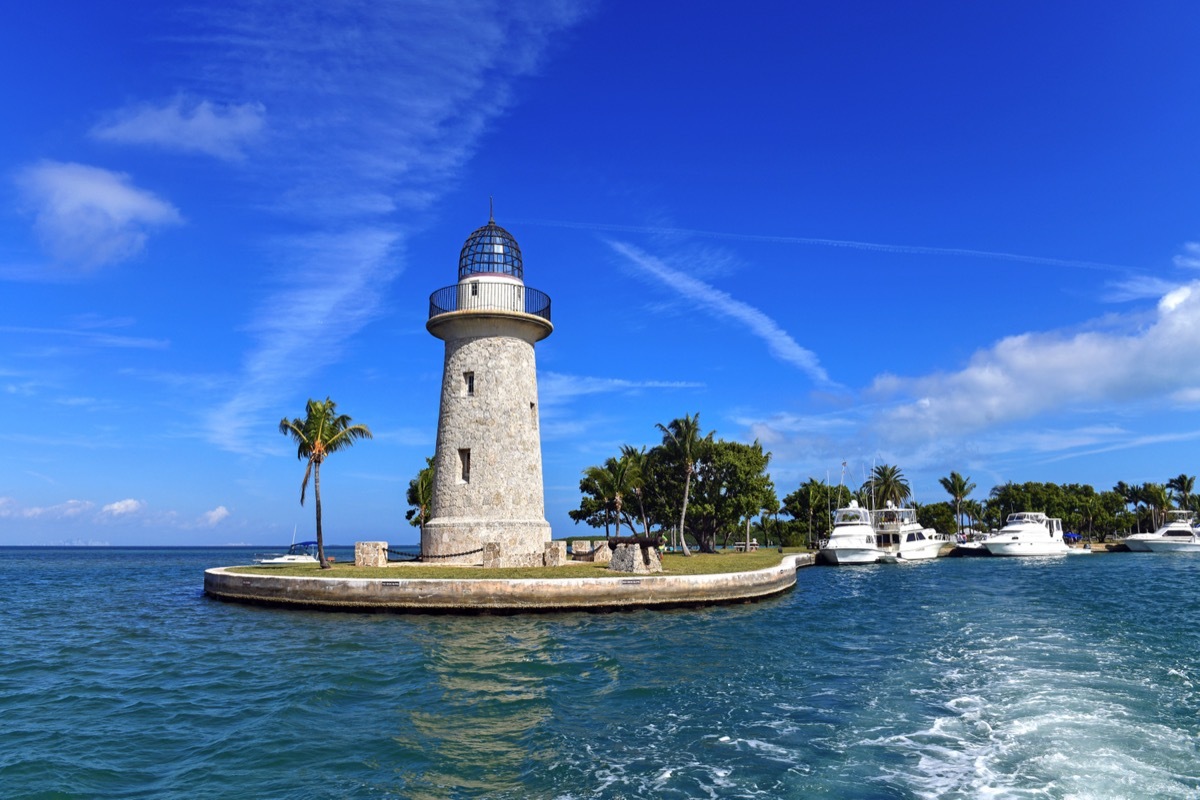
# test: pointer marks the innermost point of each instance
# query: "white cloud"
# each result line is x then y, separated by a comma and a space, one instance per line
779, 342
1190, 257
186, 125
374, 111
1141, 287
555, 387
88, 216
311, 308
72, 508
219, 513
1030, 374
90, 337
1175, 298
122, 508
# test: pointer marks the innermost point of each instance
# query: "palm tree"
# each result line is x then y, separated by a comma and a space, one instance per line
1183, 484
611, 483
635, 460
321, 432
960, 489
682, 438
1154, 495
887, 483
420, 497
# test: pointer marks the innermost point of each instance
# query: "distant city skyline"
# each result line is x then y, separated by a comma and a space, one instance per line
947, 237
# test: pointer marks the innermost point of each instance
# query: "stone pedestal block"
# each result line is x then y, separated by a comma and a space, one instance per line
556, 554
370, 554
632, 558
491, 556
602, 553
581, 547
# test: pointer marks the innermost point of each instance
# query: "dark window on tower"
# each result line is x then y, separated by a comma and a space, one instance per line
533, 414
469, 384
474, 288
464, 461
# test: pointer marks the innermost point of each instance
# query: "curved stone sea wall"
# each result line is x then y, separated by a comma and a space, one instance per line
495, 595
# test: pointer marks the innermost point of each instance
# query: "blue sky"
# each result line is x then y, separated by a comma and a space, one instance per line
946, 236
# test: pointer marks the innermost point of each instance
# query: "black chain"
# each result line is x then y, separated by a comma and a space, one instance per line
423, 557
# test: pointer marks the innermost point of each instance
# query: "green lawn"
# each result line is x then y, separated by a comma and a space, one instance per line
698, 564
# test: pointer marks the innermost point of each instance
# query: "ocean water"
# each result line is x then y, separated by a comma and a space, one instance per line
1025, 678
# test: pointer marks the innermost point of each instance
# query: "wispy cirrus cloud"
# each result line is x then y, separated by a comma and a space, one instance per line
90, 337
851, 244
88, 217
1190, 257
779, 342
186, 125
308, 308
556, 387
374, 109
67, 510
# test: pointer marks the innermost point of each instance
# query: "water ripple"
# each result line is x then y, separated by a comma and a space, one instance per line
1062, 678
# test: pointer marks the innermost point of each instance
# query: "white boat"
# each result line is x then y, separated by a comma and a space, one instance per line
298, 553
853, 539
901, 538
1177, 527
1175, 542
1028, 533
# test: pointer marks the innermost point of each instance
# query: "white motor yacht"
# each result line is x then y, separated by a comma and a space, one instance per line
1028, 533
1175, 541
853, 539
901, 538
1177, 527
298, 553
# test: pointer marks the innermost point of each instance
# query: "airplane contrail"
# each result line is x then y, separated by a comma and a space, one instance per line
907, 249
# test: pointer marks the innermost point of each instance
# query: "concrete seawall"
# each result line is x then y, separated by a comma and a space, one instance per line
492, 595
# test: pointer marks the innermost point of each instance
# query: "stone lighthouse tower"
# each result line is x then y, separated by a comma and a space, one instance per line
487, 485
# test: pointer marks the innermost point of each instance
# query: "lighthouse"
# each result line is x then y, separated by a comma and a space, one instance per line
487, 484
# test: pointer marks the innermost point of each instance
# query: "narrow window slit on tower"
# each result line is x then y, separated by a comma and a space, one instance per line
464, 461
533, 414
469, 384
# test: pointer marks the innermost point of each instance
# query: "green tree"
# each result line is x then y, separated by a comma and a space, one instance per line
637, 463
420, 497
811, 507
592, 509
682, 439
939, 516
887, 484
959, 489
1183, 485
1154, 496
610, 484
732, 486
317, 435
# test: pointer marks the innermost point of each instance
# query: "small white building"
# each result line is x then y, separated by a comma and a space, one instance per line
487, 486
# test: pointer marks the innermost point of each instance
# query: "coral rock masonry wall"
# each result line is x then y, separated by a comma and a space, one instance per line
487, 484
370, 554
632, 558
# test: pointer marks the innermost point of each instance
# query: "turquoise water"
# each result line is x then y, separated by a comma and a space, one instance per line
1070, 677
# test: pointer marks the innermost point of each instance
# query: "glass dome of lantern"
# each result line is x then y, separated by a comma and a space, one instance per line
491, 250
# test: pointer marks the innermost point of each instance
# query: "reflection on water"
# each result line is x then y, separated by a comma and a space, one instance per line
489, 696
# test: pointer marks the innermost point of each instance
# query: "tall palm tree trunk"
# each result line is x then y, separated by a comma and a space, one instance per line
317, 497
687, 488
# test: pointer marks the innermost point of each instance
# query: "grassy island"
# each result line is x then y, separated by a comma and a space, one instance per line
673, 564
